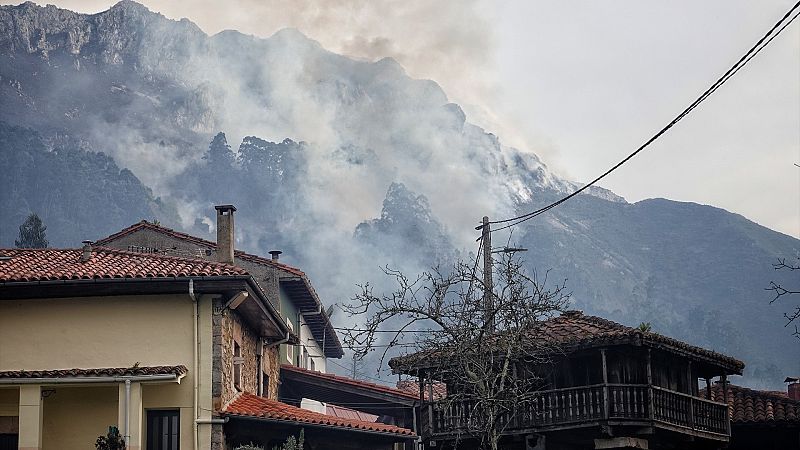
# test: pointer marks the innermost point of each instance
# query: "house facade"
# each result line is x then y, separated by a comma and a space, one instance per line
98, 337
175, 350
289, 288
602, 385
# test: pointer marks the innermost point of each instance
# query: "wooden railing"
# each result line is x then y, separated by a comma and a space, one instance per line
577, 405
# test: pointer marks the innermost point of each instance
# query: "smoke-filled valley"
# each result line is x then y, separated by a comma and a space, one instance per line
345, 166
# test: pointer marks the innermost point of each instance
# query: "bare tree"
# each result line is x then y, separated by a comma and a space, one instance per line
448, 333
779, 291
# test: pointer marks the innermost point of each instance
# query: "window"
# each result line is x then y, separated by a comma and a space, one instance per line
305, 357
163, 430
237, 365
312, 364
290, 347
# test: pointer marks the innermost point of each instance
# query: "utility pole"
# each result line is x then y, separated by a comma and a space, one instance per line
487, 275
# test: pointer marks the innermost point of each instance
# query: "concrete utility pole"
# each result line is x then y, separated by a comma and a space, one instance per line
487, 275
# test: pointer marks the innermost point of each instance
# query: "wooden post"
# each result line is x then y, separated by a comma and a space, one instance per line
606, 400
487, 275
708, 388
724, 379
691, 393
650, 406
430, 404
422, 423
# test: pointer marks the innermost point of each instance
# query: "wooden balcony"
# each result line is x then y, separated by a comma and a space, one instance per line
636, 404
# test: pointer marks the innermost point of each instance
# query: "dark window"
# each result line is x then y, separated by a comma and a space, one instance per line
8, 441
163, 430
265, 385
237, 366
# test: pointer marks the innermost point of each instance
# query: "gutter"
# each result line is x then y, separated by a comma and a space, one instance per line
397, 436
88, 380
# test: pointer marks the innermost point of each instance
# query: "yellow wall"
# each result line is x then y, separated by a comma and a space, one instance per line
75, 416
102, 332
95, 332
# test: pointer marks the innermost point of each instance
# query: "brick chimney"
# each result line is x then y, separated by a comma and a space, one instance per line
793, 388
225, 241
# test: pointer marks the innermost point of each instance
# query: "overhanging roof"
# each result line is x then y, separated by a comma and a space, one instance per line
303, 295
363, 396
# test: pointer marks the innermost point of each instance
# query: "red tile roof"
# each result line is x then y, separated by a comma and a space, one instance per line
18, 265
749, 406
102, 372
249, 405
346, 413
573, 329
352, 382
197, 241
412, 386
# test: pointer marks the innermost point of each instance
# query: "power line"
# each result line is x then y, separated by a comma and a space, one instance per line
760, 45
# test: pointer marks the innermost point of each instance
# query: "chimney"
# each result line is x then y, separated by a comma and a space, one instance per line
793, 388
87, 251
225, 240
275, 254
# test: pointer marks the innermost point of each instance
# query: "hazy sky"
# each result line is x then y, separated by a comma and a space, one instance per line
583, 83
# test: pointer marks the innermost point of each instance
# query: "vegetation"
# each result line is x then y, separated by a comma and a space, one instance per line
111, 441
781, 290
32, 233
446, 316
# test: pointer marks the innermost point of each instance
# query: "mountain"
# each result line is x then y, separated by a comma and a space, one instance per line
346, 165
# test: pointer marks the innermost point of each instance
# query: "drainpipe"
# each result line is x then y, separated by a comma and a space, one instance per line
282, 341
127, 413
260, 367
196, 362
213, 421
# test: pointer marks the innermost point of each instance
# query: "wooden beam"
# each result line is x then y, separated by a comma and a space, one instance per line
606, 400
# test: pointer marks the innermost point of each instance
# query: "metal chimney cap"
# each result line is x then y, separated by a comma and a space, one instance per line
225, 208
275, 254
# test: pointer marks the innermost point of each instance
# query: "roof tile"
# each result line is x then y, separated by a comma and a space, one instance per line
752, 406
99, 372
20, 265
249, 405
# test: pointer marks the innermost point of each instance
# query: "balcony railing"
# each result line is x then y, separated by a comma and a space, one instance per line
584, 404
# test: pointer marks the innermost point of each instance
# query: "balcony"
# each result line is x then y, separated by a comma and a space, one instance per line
635, 404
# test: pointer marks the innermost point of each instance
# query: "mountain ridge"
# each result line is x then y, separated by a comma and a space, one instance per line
354, 161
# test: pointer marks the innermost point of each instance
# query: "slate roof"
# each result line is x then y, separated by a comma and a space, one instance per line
253, 406
20, 265
749, 406
352, 382
574, 330
197, 241
101, 372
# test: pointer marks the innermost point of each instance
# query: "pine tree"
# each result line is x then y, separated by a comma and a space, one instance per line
32, 233
219, 152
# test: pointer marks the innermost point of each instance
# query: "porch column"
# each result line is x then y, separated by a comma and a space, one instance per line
130, 413
30, 417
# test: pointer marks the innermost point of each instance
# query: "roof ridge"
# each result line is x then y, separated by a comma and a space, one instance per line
112, 250
773, 394
198, 240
